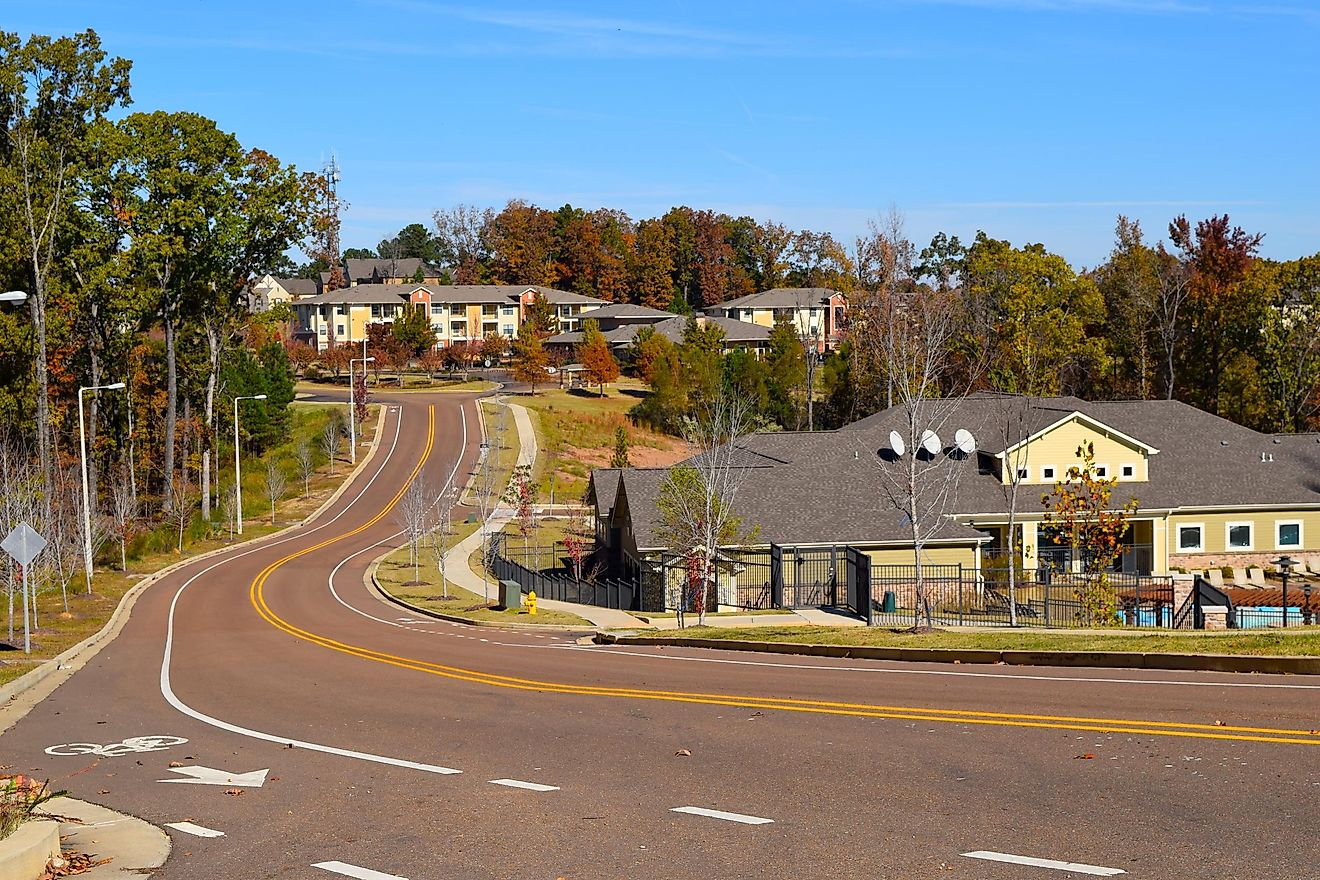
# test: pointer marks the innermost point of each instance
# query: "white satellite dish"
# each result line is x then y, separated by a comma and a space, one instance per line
930, 441
964, 440
896, 443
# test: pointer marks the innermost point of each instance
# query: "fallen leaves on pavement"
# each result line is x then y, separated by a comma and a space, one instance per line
70, 863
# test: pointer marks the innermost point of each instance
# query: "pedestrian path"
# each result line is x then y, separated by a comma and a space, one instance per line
456, 560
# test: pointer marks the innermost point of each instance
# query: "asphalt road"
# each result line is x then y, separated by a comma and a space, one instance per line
276, 657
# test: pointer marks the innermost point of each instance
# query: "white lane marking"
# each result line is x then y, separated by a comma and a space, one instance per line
195, 830
209, 776
720, 814
1073, 867
168, 692
617, 650
347, 870
530, 786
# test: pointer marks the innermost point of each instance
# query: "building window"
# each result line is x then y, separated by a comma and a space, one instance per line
339, 329
1129, 471
1023, 473
339, 310
1191, 537
1288, 535
320, 331
375, 310
507, 330
457, 328
508, 311
1047, 472
1102, 471
1237, 536
488, 311
437, 309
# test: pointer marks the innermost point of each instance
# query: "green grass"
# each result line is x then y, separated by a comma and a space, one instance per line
1273, 643
575, 432
505, 455
395, 573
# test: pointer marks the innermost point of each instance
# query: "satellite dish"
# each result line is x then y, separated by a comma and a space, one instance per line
896, 443
964, 440
930, 441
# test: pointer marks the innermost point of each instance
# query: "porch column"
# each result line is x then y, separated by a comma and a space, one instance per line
1030, 556
1159, 545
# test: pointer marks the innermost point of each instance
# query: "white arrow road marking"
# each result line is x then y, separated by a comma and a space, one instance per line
348, 870
530, 786
720, 814
207, 776
1074, 867
190, 828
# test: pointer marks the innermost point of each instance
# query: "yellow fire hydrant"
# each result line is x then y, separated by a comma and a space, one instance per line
531, 602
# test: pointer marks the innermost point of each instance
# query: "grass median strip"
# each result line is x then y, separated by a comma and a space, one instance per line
395, 575
1256, 644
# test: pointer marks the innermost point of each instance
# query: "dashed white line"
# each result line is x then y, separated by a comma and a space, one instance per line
1054, 864
347, 870
195, 830
721, 814
530, 786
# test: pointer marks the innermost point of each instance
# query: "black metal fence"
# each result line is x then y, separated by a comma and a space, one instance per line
956, 595
563, 586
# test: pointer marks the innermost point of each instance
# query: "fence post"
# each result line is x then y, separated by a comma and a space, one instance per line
1047, 602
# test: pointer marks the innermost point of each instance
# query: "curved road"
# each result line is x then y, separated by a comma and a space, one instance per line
420, 749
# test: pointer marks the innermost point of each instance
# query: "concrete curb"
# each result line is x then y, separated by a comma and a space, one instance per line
25, 853
370, 581
72, 659
1094, 659
134, 846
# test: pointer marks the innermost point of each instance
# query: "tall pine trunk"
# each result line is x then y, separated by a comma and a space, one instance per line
171, 405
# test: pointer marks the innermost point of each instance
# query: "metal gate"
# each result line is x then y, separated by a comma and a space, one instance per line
811, 578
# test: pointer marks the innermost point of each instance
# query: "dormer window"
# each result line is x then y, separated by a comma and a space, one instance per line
1129, 471
1102, 471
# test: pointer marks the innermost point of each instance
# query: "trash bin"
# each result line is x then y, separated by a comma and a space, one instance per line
510, 594
890, 603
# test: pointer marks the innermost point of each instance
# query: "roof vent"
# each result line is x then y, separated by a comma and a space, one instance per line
1223, 442
1277, 441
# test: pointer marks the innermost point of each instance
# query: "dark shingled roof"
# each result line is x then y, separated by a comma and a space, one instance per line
405, 267
781, 298
825, 487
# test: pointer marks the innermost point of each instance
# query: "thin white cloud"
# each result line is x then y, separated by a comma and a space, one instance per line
1104, 203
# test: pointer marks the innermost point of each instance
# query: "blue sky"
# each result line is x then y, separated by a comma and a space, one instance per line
1036, 120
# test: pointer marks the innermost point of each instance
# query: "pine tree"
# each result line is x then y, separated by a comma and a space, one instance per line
620, 457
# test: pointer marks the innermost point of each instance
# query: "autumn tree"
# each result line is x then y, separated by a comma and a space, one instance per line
1078, 511
594, 354
1288, 351
529, 357
1220, 320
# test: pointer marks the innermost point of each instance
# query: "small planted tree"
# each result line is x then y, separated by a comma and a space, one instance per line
521, 496
620, 457
332, 438
578, 541
306, 465
1078, 512
596, 357
441, 534
413, 514
697, 498
529, 357
124, 513
275, 482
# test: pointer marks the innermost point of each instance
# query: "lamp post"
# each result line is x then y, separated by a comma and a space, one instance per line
352, 401
238, 468
1306, 604
1285, 564
86, 499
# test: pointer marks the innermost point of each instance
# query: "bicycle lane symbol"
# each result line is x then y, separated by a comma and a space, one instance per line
130, 746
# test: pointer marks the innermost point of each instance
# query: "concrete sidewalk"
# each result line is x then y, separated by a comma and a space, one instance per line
135, 848
456, 560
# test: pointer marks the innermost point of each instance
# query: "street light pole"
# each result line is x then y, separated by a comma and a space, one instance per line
86, 499
238, 467
352, 401
1285, 564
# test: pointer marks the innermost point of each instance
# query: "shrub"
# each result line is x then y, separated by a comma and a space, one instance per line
19, 798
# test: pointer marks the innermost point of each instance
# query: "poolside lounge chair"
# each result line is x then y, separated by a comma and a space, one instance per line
1216, 578
1257, 577
1240, 577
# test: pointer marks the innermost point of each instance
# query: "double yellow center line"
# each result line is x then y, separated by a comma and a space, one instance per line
818, 707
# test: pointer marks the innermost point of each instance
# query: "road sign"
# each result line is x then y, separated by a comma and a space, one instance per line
23, 544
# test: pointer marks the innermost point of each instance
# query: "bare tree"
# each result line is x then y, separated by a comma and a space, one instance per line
306, 465
413, 514
332, 440
124, 514
275, 483
229, 508
441, 533
1172, 286
1015, 429
182, 501
811, 357
488, 492
914, 344
698, 499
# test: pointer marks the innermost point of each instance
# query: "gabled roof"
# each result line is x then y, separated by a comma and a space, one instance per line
781, 298
298, 286
623, 311
404, 267
362, 294
1094, 424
